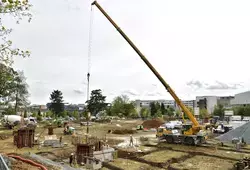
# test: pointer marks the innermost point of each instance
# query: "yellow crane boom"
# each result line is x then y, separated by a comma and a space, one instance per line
151, 67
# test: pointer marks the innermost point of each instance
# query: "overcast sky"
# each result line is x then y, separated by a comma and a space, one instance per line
199, 47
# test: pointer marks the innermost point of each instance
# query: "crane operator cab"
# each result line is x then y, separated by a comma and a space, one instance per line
187, 129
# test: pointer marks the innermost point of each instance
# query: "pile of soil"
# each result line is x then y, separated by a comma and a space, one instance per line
124, 131
154, 123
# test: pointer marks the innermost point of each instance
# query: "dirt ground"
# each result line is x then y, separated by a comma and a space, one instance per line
151, 155
17, 165
204, 162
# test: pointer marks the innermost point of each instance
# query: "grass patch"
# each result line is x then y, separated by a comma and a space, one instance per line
204, 163
132, 165
209, 151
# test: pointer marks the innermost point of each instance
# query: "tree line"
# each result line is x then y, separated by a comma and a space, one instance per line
13, 86
121, 106
241, 110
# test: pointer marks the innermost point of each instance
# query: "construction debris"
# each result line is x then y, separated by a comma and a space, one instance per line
240, 132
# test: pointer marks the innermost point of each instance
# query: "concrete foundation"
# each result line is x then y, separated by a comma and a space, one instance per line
93, 164
52, 140
107, 154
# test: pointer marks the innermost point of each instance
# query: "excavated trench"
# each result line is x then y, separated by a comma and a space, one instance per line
165, 165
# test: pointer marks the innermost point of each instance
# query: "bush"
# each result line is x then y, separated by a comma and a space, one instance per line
39, 118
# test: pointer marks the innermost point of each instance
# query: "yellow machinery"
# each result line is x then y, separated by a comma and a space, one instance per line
190, 134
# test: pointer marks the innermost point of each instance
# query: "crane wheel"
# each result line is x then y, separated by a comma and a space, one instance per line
189, 141
169, 139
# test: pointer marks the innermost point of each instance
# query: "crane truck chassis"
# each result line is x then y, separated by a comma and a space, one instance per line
177, 137
192, 134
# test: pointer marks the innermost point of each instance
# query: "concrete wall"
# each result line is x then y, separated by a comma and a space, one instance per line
211, 102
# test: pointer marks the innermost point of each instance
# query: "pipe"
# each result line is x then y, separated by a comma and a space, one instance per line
28, 161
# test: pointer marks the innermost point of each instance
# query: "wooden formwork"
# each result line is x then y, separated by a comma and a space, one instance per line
83, 151
50, 130
24, 137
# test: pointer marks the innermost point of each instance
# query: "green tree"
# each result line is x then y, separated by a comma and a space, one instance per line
121, 104
163, 109
219, 111
64, 113
108, 111
203, 113
57, 105
242, 110
158, 106
17, 9
153, 109
97, 102
6, 81
19, 90
158, 113
39, 118
118, 106
145, 113
9, 111
130, 110
34, 114
39, 113
49, 114
170, 111
247, 110
75, 114
191, 110
177, 113
25, 114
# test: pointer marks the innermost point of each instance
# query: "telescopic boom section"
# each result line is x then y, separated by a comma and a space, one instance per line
169, 89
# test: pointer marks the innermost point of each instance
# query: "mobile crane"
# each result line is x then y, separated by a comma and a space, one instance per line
191, 133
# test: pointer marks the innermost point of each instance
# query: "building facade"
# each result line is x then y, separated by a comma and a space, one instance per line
167, 103
146, 103
188, 103
241, 99
225, 101
206, 102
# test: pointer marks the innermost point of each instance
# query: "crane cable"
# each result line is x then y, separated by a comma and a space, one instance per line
89, 49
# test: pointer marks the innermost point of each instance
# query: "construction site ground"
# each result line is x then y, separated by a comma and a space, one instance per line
147, 154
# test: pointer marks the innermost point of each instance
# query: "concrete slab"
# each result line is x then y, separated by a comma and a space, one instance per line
50, 137
51, 142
